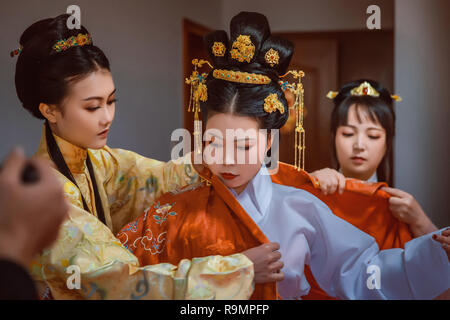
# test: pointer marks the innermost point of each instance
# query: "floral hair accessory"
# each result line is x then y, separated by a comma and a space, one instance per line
15, 52
242, 49
271, 104
242, 77
78, 41
272, 57
218, 49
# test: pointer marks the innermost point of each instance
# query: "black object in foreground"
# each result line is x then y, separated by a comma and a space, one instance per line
30, 174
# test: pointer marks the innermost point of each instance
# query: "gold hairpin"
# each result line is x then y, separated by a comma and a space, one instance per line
297, 90
199, 92
242, 77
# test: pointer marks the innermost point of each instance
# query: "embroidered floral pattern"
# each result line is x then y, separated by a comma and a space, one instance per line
154, 245
163, 212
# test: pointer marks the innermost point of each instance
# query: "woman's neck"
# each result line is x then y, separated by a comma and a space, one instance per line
355, 175
239, 189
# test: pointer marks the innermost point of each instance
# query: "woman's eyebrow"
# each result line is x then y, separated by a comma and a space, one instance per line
100, 98
375, 128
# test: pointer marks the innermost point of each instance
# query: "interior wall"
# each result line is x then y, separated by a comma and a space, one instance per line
142, 39
421, 78
307, 15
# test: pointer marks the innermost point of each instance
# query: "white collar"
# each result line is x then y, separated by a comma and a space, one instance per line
257, 194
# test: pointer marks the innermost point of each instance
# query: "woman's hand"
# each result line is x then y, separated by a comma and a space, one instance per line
329, 180
444, 239
406, 209
266, 262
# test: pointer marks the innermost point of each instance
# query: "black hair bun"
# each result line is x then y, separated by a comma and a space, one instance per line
276, 53
42, 72
251, 47
217, 45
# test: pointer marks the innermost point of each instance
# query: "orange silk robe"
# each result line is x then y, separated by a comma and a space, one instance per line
206, 219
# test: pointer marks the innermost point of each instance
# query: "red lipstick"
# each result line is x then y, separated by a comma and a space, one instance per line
228, 176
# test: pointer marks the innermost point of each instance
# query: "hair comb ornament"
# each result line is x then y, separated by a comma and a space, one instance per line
199, 92
241, 77
218, 49
272, 57
243, 49
15, 52
364, 89
298, 91
78, 41
272, 104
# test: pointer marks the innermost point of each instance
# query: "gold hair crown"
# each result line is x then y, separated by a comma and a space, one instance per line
364, 89
242, 77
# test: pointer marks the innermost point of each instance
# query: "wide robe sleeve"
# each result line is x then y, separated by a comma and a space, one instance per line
107, 270
132, 182
348, 264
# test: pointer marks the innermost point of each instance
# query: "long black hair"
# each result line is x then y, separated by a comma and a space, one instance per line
241, 98
379, 110
44, 75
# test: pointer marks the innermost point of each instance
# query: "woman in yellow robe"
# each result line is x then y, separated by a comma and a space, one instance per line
63, 78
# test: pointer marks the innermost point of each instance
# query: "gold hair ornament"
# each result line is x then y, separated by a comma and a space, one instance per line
297, 90
218, 49
272, 57
241, 77
364, 89
199, 92
271, 104
242, 49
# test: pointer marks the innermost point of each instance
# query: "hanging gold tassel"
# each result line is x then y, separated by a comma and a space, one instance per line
198, 92
297, 89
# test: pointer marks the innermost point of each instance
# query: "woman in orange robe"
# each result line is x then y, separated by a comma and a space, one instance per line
238, 206
363, 129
